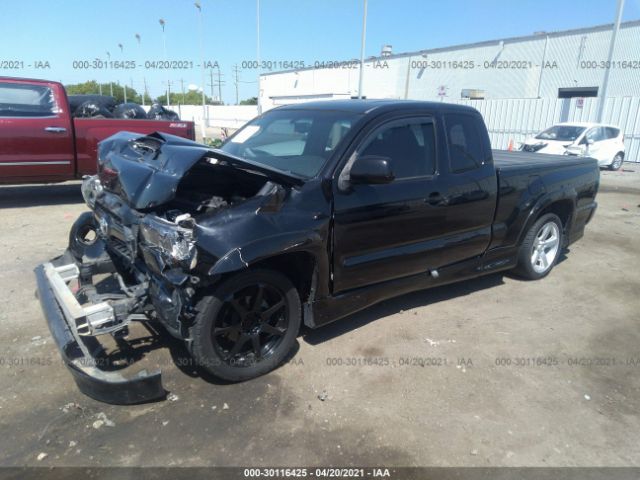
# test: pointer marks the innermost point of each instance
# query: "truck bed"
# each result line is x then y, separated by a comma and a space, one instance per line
524, 178
505, 160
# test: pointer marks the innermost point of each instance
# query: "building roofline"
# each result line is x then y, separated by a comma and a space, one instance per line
484, 43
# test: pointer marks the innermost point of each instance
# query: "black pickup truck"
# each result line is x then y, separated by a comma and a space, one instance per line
307, 214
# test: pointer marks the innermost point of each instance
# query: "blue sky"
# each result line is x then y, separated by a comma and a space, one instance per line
66, 30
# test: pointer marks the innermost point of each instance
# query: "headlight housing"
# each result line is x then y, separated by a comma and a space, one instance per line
91, 190
176, 243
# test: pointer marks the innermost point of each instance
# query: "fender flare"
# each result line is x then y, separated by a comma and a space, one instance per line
542, 203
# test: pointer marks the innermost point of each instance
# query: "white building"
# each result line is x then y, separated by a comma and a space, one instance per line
547, 77
533, 66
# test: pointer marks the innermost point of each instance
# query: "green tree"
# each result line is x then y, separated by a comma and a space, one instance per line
189, 98
93, 87
249, 101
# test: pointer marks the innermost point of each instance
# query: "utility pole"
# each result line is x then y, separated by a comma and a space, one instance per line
219, 86
100, 88
362, 44
612, 46
211, 82
217, 83
236, 80
182, 87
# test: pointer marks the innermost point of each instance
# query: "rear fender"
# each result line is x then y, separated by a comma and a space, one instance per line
544, 202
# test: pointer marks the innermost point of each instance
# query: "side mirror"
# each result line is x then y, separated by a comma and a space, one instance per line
371, 169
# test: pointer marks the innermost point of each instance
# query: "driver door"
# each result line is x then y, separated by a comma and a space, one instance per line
384, 231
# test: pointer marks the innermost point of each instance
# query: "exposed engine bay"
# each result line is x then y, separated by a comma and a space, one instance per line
210, 186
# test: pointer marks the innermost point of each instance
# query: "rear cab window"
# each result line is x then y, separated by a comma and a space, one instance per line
26, 100
465, 143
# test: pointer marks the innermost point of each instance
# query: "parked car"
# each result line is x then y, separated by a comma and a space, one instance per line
307, 214
41, 142
602, 142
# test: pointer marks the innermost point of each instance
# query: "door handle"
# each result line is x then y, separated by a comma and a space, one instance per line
436, 198
55, 129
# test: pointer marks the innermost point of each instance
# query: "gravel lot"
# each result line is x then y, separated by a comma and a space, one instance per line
493, 371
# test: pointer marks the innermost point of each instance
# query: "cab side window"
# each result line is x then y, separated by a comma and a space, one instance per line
410, 148
465, 143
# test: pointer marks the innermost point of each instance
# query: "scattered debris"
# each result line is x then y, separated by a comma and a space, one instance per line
587, 397
213, 407
474, 452
71, 406
323, 396
172, 397
98, 424
432, 343
102, 420
36, 338
165, 423
225, 406
72, 443
42, 456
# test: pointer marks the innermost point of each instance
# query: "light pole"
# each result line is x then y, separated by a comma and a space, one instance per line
144, 80
164, 54
110, 82
362, 44
121, 47
204, 103
258, 53
612, 46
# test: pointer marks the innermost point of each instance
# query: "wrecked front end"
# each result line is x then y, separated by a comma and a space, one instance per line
141, 254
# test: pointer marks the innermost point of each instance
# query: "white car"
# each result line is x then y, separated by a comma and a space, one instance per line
602, 142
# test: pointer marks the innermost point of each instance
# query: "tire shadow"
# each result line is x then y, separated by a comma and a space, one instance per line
407, 301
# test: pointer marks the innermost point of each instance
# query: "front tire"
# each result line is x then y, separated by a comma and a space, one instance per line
83, 234
617, 162
540, 248
247, 326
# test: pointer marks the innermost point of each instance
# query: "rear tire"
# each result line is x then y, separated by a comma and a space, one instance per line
617, 162
540, 248
247, 326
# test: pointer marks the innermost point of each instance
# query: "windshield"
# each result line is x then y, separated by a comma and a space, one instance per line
562, 133
292, 141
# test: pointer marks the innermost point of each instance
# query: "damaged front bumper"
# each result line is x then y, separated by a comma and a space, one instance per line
71, 326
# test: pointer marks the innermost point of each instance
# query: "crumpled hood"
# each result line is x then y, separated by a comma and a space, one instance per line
145, 170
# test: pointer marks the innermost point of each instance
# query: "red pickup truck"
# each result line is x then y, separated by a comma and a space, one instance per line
41, 142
